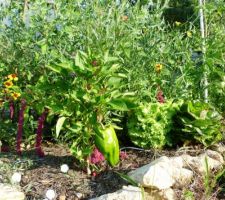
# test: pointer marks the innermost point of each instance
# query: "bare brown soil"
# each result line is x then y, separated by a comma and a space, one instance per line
42, 174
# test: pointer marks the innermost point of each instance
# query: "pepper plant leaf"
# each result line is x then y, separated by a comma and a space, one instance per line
59, 125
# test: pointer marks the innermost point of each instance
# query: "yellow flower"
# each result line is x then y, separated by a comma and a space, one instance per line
158, 67
8, 84
189, 34
5, 91
12, 77
15, 95
177, 23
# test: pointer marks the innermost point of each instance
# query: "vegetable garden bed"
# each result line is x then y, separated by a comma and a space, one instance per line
99, 75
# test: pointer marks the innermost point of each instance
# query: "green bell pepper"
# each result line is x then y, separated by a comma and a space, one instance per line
107, 143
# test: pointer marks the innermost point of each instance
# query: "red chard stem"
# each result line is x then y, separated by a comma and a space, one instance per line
11, 109
20, 126
41, 121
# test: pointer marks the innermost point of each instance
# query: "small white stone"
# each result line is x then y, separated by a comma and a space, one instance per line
64, 168
50, 194
79, 195
16, 177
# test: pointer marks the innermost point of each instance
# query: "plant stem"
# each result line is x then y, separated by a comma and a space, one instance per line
20, 126
41, 121
11, 109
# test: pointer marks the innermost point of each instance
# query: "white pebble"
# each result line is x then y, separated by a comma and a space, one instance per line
50, 194
64, 168
16, 177
79, 195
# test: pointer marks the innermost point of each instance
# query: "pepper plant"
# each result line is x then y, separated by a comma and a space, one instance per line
87, 94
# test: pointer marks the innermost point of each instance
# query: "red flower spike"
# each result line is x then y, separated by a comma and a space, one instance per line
5, 149
160, 97
94, 174
94, 63
96, 157
20, 127
123, 155
11, 109
41, 121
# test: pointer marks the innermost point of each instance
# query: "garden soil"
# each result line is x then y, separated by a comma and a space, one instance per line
41, 174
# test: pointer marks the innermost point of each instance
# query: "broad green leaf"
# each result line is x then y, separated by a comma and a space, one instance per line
44, 48
118, 104
66, 65
114, 81
79, 62
59, 125
55, 68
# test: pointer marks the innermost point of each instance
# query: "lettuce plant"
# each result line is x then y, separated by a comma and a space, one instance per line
199, 122
149, 125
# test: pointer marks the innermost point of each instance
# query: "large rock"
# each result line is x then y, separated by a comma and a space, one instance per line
182, 177
154, 175
220, 148
10, 193
126, 193
162, 173
167, 194
205, 161
136, 193
214, 155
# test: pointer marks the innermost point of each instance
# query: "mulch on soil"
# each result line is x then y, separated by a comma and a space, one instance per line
39, 175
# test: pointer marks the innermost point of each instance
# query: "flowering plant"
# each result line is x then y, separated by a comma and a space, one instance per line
10, 91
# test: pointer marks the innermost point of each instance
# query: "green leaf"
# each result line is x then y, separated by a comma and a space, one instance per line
59, 125
128, 179
54, 68
118, 104
114, 81
44, 48
66, 65
79, 62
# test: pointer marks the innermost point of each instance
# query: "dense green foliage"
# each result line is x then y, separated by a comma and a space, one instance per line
157, 125
91, 62
197, 122
149, 125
